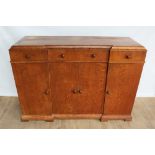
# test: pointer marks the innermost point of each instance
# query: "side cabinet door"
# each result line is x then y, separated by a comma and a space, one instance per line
32, 80
122, 83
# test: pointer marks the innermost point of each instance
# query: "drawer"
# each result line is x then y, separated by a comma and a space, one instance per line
127, 56
78, 54
28, 54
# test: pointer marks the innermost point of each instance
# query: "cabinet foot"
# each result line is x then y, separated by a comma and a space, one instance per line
37, 117
52, 120
128, 119
105, 118
24, 120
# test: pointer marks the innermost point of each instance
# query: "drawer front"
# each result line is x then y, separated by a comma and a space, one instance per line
28, 54
78, 54
127, 56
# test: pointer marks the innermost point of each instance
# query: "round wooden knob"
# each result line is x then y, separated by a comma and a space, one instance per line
79, 91
107, 92
75, 91
62, 55
128, 56
93, 55
27, 56
46, 92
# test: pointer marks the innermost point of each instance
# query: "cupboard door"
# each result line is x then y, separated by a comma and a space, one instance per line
32, 86
122, 83
92, 78
77, 88
63, 84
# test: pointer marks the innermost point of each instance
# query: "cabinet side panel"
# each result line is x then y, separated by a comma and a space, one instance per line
122, 84
32, 86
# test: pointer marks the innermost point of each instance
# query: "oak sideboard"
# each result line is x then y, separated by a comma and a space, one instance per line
70, 77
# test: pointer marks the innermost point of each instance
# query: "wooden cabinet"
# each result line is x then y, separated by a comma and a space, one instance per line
77, 77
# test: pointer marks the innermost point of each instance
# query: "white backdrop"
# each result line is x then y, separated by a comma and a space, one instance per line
144, 35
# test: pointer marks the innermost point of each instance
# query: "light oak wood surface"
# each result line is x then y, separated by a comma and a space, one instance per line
143, 117
76, 40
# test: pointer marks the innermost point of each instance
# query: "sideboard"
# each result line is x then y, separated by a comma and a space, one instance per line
75, 77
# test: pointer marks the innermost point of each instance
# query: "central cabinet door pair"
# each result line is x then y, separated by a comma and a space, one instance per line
72, 83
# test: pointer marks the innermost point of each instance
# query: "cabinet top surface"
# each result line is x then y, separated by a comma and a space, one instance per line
76, 41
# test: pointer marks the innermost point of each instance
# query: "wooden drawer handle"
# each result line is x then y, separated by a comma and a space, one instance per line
107, 92
62, 55
79, 91
46, 92
128, 56
27, 56
76, 91
93, 55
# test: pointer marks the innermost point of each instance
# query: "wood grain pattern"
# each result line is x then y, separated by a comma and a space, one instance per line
37, 117
32, 86
76, 41
87, 78
130, 55
91, 81
77, 116
122, 83
28, 54
63, 82
78, 54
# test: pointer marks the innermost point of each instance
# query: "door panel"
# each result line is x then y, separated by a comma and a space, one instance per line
32, 86
122, 83
63, 81
92, 78
77, 88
